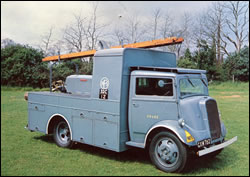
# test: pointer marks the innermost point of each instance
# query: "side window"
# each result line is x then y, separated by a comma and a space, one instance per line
154, 86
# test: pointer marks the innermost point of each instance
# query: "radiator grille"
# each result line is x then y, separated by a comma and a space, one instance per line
213, 118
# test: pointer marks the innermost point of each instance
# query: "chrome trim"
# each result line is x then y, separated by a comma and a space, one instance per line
217, 147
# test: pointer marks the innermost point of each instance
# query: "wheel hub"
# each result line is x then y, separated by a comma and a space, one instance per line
63, 133
167, 152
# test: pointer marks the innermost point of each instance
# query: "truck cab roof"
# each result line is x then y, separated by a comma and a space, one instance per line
169, 69
164, 71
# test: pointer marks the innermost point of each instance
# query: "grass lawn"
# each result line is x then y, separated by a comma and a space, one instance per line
26, 153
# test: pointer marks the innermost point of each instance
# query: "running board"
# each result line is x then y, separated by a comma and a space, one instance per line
134, 144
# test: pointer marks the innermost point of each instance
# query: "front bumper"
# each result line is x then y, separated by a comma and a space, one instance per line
216, 147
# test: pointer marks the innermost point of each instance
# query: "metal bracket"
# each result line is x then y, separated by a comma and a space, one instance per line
50, 72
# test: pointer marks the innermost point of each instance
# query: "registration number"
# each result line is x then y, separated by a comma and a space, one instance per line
204, 143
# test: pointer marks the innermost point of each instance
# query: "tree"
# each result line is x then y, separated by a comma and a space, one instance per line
165, 26
198, 30
118, 35
206, 59
213, 22
85, 32
7, 42
46, 42
74, 34
65, 68
94, 30
177, 47
22, 66
134, 29
218, 20
237, 22
187, 61
156, 19
182, 30
186, 25
237, 65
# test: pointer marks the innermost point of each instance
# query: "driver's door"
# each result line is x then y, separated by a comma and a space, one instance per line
152, 99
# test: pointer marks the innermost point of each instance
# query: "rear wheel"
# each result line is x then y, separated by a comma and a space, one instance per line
62, 134
168, 153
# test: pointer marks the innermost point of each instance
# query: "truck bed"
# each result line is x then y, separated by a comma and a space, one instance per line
61, 94
92, 121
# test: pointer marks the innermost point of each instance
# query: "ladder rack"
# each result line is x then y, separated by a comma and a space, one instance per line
145, 44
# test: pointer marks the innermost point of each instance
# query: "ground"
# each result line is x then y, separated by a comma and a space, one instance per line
26, 153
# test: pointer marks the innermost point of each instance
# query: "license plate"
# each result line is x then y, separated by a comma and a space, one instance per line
204, 143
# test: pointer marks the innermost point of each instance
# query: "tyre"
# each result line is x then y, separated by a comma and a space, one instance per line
62, 134
167, 152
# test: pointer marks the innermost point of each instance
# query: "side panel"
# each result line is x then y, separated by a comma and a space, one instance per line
82, 126
108, 110
36, 114
106, 135
109, 67
39, 111
150, 58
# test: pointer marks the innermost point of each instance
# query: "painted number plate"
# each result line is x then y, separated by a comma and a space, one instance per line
204, 143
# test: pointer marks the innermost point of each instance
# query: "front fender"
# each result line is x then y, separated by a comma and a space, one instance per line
171, 125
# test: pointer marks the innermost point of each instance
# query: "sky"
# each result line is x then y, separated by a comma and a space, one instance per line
26, 21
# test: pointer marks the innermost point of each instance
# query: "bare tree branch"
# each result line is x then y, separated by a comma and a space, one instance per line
156, 17
237, 21
46, 41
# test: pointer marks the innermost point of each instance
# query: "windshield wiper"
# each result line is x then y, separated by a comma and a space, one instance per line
204, 82
190, 82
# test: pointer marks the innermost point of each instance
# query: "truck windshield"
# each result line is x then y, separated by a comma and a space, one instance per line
193, 87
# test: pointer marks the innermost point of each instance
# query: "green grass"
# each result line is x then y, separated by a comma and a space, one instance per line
26, 153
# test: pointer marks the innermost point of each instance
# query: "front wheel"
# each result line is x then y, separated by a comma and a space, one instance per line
62, 134
168, 153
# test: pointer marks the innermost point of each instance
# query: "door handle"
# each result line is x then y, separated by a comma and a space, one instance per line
136, 105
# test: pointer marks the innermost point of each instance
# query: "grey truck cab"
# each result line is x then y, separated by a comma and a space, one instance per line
135, 98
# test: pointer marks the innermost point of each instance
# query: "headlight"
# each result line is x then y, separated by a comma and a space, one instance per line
181, 122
